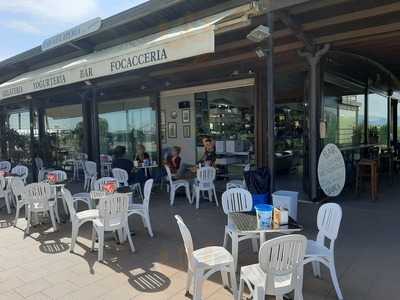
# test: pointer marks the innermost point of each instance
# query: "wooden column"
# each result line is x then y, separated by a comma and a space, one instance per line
271, 101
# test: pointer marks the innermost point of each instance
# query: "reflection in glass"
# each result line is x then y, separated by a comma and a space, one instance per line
17, 137
377, 119
128, 123
64, 133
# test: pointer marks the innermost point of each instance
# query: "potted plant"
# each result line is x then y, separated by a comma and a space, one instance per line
357, 135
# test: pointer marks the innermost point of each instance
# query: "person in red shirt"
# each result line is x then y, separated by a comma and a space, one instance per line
174, 162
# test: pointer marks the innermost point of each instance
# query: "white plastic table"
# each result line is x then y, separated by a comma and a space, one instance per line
146, 168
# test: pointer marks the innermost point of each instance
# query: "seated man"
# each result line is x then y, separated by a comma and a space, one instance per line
122, 163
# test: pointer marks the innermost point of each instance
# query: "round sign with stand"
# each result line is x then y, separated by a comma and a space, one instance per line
331, 170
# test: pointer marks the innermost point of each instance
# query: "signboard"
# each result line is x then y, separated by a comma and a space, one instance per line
72, 34
113, 61
331, 170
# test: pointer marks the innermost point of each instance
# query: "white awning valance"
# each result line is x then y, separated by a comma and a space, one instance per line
185, 41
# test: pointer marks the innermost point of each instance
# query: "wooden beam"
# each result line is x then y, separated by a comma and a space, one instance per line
272, 5
297, 30
306, 7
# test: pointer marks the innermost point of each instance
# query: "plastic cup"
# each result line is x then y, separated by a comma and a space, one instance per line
264, 215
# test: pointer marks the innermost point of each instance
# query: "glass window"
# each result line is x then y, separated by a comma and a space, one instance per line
64, 133
128, 123
18, 137
377, 119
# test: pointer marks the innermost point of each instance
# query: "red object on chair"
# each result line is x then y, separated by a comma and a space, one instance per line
52, 177
110, 187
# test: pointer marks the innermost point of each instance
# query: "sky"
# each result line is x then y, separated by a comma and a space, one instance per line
25, 24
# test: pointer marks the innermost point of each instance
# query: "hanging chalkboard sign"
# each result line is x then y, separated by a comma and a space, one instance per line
331, 170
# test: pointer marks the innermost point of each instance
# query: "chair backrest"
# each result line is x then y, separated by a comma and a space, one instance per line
39, 163
206, 176
38, 195
169, 174
237, 200
98, 185
147, 192
187, 239
81, 156
105, 158
61, 175
90, 168
328, 221
121, 176
281, 259
247, 168
17, 187
21, 170
70, 202
113, 210
5, 166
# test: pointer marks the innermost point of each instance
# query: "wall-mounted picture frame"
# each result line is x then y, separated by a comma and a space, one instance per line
162, 118
172, 134
186, 131
163, 133
186, 116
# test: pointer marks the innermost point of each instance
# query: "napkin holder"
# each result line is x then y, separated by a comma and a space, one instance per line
281, 216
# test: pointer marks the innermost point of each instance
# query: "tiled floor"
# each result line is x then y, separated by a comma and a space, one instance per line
40, 266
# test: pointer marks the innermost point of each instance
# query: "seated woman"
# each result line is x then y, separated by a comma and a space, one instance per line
209, 157
122, 163
174, 161
141, 154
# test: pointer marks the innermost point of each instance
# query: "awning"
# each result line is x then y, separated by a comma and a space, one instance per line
181, 42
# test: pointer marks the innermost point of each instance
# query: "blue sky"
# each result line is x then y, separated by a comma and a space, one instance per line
24, 24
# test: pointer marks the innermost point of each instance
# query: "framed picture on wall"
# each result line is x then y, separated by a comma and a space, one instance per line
186, 131
172, 134
163, 135
162, 118
186, 116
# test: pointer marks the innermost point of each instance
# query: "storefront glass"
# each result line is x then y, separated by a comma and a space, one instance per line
128, 123
64, 134
377, 119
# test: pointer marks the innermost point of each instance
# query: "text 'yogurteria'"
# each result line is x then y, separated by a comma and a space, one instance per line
130, 62
49, 82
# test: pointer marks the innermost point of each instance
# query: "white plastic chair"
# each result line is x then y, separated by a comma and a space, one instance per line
205, 183
105, 165
143, 209
41, 170
38, 196
174, 185
237, 200
113, 216
78, 218
61, 177
5, 166
79, 164
4, 193
328, 222
279, 271
90, 171
204, 262
17, 188
237, 183
122, 177
21, 171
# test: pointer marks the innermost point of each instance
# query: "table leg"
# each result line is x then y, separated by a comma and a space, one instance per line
263, 238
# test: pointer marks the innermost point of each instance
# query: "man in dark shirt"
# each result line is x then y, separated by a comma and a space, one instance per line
122, 163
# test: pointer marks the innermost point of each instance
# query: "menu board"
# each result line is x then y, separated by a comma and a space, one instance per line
331, 170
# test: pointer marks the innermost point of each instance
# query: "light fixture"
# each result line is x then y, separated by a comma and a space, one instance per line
88, 82
260, 52
28, 97
259, 34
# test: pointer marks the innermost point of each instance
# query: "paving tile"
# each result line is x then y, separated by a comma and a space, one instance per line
11, 296
33, 287
60, 290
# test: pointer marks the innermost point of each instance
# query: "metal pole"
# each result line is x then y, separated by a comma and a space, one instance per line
270, 100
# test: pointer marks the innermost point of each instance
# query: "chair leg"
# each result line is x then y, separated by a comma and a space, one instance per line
7, 200
225, 238
187, 190
149, 228
235, 248
16, 215
209, 195
189, 280
197, 198
335, 281
241, 288
53, 220
93, 238
215, 196
100, 235
224, 275
279, 297
198, 285
28, 223
316, 269
254, 245
128, 234
232, 275
172, 196
259, 293
74, 236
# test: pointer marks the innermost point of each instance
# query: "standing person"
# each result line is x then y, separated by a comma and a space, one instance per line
209, 157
